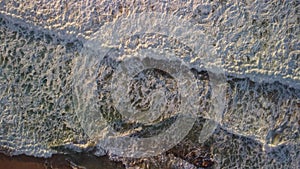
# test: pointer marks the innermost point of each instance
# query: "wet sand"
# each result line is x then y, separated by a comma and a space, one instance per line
77, 161
26, 162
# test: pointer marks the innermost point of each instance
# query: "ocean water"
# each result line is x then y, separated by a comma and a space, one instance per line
64, 85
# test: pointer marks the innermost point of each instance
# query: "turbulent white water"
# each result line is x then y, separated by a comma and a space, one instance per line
41, 59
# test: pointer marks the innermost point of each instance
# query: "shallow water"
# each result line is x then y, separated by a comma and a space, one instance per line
255, 46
